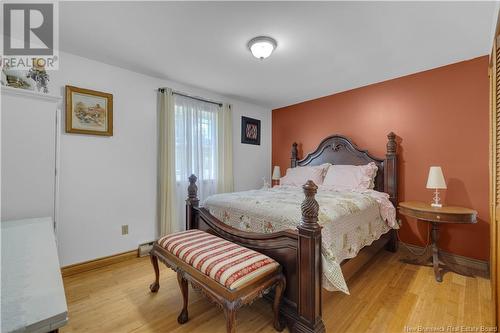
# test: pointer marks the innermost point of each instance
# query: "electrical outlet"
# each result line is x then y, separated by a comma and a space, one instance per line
125, 229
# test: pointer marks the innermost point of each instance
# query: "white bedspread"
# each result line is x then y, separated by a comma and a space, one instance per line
350, 220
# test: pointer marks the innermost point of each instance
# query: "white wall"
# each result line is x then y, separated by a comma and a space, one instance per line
107, 182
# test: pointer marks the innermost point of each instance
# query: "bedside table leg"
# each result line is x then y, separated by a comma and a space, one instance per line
435, 251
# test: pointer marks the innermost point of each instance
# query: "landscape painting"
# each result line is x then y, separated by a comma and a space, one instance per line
89, 112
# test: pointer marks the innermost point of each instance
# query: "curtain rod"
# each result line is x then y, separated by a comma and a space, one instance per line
201, 99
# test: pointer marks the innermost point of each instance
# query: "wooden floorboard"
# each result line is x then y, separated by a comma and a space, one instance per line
386, 296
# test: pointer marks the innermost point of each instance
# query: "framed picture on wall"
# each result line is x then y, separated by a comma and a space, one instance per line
250, 131
89, 112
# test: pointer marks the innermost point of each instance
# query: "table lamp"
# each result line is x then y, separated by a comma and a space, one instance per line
276, 174
436, 181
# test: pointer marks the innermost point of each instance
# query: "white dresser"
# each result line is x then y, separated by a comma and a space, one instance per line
32, 298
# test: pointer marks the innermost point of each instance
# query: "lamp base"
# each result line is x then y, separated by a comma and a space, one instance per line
436, 200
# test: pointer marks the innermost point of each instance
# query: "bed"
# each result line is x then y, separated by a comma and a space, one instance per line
303, 251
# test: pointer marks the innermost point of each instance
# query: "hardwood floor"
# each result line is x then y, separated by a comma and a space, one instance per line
386, 296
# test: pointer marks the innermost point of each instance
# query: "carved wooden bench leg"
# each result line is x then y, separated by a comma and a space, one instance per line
278, 324
155, 285
183, 285
230, 313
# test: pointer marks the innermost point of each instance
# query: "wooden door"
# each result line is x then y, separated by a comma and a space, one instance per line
494, 74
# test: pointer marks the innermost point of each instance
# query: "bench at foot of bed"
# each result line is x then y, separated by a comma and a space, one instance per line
228, 274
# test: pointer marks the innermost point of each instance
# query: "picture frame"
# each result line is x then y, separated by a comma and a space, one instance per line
250, 131
89, 112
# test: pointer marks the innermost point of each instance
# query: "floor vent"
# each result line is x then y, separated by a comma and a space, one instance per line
144, 249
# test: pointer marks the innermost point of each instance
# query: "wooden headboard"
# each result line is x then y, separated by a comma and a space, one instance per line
338, 149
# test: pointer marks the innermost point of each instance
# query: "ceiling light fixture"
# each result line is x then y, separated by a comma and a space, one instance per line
262, 46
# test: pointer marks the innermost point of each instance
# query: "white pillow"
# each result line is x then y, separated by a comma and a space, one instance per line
351, 177
298, 176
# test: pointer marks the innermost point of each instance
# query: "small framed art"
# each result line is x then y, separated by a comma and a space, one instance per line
250, 131
89, 112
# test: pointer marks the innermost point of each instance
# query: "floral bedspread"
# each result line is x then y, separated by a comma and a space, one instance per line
350, 220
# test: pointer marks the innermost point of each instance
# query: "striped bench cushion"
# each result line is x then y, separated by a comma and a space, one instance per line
229, 264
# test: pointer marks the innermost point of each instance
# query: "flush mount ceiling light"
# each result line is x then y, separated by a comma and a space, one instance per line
262, 46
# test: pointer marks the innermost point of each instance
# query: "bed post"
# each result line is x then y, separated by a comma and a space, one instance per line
391, 182
309, 265
294, 155
191, 203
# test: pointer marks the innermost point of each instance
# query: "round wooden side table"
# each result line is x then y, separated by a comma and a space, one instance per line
437, 215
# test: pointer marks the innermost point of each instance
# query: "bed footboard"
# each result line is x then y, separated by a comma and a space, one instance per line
298, 252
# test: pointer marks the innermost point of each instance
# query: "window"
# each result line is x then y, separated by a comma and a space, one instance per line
195, 149
195, 139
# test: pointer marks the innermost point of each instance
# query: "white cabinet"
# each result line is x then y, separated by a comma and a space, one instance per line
29, 154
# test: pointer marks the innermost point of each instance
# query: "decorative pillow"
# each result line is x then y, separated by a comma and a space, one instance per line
351, 177
298, 176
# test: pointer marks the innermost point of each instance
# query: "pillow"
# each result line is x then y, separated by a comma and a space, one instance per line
298, 176
351, 177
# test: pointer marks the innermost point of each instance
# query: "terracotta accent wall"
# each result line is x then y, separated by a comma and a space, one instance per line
440, 116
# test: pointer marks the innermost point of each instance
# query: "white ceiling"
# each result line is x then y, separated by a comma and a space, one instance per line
323, 47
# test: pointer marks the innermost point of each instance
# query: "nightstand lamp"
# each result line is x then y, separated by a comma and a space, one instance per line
276, 175
436, 182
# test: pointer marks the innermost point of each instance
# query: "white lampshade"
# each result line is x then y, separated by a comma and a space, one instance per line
436, 178
276, 173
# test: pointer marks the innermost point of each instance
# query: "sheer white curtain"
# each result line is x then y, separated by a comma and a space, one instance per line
196, 150
194, 137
